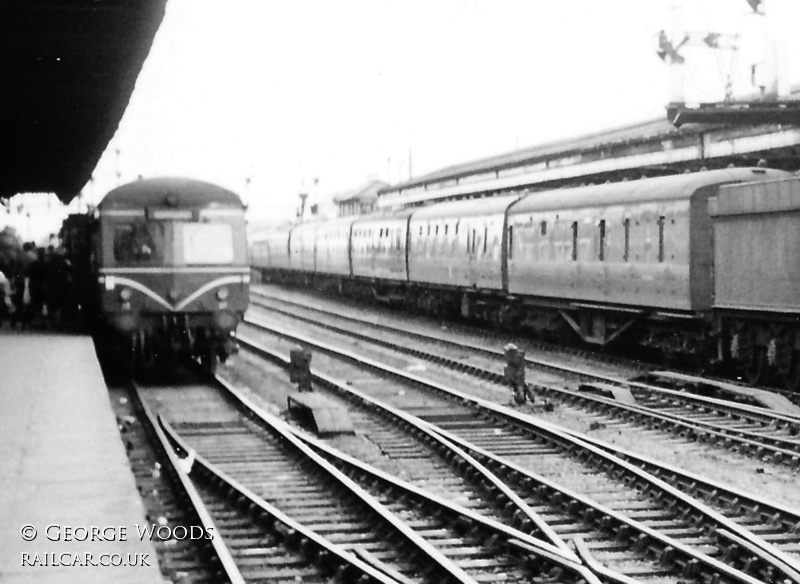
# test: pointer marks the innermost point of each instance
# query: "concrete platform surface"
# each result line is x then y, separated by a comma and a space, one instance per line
63, 469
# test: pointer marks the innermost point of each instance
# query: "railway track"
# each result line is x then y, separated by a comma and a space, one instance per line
644, 363
396, 534
752, 431
168, 504
571, 476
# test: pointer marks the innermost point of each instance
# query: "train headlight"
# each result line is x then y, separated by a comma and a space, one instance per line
125, 322
125, 294
222, 293
225, 320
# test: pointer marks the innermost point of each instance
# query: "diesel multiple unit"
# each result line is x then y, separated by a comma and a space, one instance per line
169, 264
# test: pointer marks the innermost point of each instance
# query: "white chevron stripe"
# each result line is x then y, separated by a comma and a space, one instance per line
143, 289
122, 281
209, 286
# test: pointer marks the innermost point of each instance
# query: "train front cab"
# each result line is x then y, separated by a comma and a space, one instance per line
173, 279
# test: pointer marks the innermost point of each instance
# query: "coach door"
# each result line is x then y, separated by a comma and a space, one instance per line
474, 239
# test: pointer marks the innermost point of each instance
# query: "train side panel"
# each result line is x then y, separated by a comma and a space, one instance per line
379, 247
459, 244
302, 248
615, 254
640, 245
332, 240
271, 249
757, 241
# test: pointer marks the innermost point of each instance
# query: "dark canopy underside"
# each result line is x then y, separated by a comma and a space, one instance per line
68, 68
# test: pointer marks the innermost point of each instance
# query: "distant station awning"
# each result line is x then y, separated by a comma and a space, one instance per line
68, 71
738, 113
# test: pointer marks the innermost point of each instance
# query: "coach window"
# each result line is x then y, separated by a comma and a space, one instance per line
602, 252
661, 221
574, 241
543, 228
485, 238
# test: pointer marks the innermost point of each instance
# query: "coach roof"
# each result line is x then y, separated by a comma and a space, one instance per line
666, 188
169, 192
466, 208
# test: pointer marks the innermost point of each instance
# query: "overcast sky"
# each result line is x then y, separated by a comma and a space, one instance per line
342, 91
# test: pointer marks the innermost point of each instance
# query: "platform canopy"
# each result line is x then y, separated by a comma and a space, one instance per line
738, 113
68, 69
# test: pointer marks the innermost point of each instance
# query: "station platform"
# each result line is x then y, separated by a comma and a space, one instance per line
63, 469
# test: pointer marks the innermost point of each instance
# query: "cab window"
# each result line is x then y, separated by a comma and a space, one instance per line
204, 243
139, 243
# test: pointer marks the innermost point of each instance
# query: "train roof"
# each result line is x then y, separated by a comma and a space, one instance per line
466, 208
377, 218
772, 196
665, 188
170, 192
334, 223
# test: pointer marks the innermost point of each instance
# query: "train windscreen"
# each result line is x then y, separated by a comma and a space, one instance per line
139, 243
205, 243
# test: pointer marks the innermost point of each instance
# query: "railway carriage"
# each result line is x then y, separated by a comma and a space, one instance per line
612, 256
271, 248
302, 248
379, 247
640, 259
456, 255
757, 277
332, 247
171, 261
459, 244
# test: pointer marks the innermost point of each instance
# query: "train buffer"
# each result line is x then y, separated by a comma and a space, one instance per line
326, 416
615, 392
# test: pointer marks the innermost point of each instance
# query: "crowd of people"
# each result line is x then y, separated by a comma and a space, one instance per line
35, 287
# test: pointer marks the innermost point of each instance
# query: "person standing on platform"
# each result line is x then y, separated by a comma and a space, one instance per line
36, 286
7, 308
20, 284
57, 286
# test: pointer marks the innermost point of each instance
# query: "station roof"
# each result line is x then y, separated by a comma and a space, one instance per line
637, 132
68, 70
367, 193
651, 148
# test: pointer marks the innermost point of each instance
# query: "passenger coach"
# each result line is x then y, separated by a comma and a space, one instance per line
642, 260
